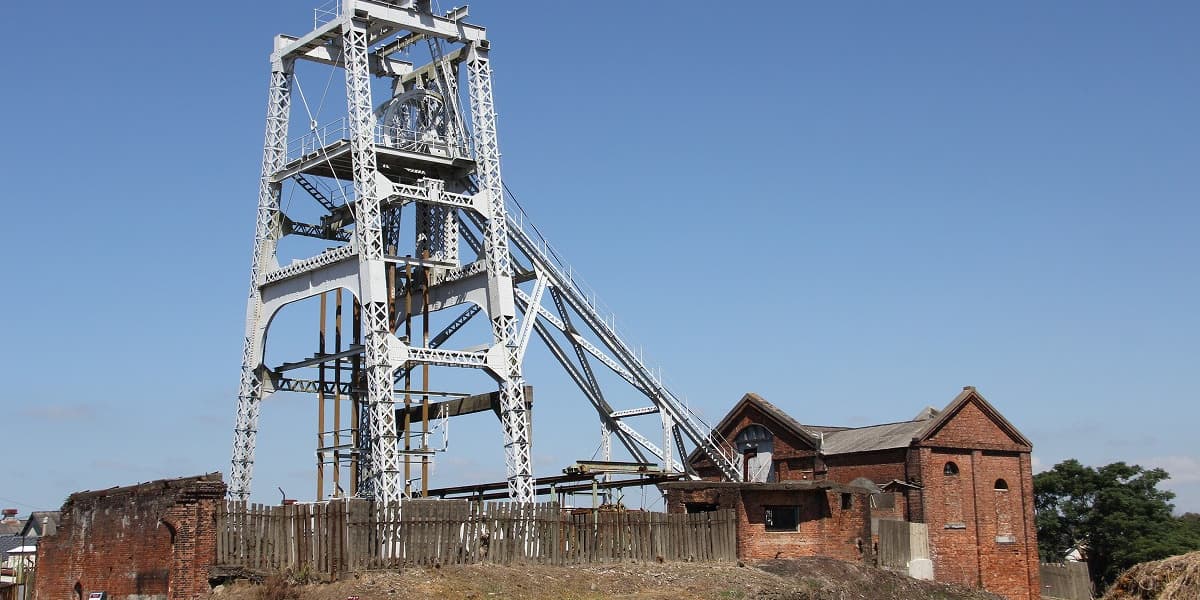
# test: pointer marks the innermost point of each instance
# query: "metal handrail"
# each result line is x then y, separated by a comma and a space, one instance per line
552, 259
393, 137
326, 12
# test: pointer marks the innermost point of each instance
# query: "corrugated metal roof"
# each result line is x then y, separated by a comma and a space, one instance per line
844, 440
874, 437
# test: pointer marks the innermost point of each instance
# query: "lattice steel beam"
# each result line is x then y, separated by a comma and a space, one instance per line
266, 235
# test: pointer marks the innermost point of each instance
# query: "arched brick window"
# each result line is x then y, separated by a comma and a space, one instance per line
1005, 533
952, 497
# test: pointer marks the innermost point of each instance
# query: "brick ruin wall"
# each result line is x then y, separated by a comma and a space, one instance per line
153, 541
824, 527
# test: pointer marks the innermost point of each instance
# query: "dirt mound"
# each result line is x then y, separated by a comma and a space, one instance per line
833, 578
1174, 578
804, 579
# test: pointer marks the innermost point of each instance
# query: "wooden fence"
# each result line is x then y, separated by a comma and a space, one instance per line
351, 535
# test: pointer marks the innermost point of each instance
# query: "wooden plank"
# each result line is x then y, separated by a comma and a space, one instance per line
506, 538
442, 516
415, 519
387, 534
279, 514
314, 542
296, 550
647, 538
499, 535
277, 537
251, 537
406, 533
243, 557
233, 552
259, 546
489, 525
257, 528
273, 537
220, 525
333, 518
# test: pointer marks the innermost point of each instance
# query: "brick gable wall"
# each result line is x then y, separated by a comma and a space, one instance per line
979, 536
972, 428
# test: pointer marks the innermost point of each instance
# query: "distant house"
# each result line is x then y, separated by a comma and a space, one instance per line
10, 539
10, 536
963, 471
18, 550
40, 523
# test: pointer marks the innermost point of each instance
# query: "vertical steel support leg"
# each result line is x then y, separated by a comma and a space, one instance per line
501, 306
383, 476
266, 234
668, 438
605, 442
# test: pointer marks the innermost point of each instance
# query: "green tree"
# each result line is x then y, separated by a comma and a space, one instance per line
1116, 512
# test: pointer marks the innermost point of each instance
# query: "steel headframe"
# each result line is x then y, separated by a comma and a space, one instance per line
450, 206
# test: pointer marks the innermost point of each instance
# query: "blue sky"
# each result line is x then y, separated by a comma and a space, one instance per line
851, 209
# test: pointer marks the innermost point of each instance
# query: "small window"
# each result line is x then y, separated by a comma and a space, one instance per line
950, 469
847, 501
1001, 485
781, 518
699, 507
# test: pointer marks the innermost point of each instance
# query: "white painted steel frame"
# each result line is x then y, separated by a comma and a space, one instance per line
487, 283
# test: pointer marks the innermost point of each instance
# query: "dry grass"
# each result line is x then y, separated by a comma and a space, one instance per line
1174, 578
276, 587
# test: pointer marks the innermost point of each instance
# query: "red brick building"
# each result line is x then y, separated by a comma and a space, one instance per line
786, 519
964, 471
151, 541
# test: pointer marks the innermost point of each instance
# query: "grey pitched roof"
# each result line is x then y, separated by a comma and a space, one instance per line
874, 437
841, 440
8, 542
784, 418
847, 440
10, 527
40, 523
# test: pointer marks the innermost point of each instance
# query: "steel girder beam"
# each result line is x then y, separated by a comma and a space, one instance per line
501, 307
266, 235
380, 477
641, 377
603, 408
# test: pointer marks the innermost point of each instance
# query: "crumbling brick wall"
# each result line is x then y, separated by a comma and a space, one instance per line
152, 541
832, 522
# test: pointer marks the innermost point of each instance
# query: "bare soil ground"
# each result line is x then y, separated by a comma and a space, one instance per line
803, 579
